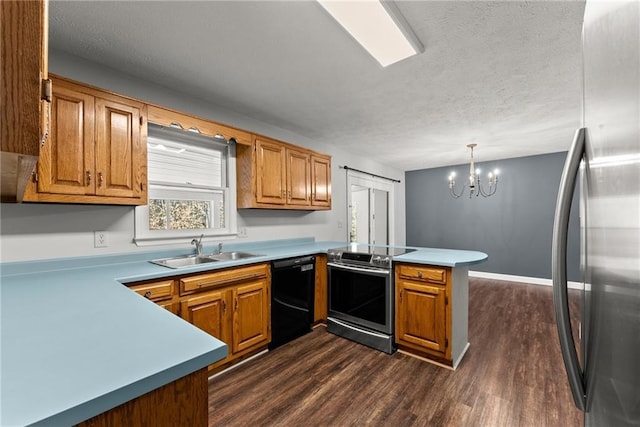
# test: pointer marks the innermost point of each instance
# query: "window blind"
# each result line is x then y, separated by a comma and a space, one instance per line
177, 158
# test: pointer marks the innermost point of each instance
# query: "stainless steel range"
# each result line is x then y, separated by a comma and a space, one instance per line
361, 294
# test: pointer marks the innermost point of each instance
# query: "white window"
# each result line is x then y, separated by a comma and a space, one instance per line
191, 187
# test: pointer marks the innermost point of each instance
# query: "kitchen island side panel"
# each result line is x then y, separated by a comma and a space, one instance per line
459, 313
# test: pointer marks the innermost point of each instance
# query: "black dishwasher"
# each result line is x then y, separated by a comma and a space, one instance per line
292, 297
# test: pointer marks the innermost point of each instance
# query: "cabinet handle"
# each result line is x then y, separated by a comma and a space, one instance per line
88, 178
224, 306
400, 295
147, 295
100, 179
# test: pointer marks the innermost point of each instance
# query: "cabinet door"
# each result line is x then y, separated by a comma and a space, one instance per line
271, 175
421, 315
207, 312
66, 164
23, 115
298, 177
250, 315
120, 157
320, 181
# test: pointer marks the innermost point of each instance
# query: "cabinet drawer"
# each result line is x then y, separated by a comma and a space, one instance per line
222, 278
155, 291
423, 273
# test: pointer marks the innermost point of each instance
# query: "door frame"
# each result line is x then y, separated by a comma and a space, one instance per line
373, 183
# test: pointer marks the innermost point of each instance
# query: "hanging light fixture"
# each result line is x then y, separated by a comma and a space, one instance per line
475, 186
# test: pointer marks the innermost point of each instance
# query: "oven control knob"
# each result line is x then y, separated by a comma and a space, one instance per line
377, 259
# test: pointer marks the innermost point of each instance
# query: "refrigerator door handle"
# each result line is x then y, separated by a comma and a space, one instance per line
559, 268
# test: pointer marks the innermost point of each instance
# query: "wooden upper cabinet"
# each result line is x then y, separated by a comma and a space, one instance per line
97, 149
277, 175
66, 163
119, 151
23, 103
271, 172
321, 181
298, 177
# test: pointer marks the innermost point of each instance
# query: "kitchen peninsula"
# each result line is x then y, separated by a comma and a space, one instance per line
77, 343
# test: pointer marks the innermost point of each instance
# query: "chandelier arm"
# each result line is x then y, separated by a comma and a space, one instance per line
493, 186
453, 192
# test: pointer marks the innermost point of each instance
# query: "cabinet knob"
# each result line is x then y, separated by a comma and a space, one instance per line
100, 179
88, 178
420, 274
147, 294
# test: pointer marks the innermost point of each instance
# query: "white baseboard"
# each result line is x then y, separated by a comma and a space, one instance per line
521, 279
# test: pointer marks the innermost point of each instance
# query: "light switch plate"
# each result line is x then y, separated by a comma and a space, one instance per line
100, 239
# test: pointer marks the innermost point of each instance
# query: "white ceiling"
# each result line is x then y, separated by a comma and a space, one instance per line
505, 75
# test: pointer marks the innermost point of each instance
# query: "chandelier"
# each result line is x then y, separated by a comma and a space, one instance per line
475, 186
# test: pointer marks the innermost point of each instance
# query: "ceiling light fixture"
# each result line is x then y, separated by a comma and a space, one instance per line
378, 26
475, 186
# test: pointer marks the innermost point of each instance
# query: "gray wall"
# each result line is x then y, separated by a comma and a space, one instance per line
513, 227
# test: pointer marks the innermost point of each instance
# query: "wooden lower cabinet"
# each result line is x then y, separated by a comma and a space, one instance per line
232, 305
162, 292
183, 402
207, 311
251, 316
423, 316
321, 291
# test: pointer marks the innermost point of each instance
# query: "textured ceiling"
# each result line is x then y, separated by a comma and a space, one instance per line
505, 75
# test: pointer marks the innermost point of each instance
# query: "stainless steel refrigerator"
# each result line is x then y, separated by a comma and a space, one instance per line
603, 368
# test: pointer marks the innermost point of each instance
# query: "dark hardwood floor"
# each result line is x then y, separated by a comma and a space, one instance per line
512, 375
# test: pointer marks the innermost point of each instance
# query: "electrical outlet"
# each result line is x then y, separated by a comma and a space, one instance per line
242, 232
100, 239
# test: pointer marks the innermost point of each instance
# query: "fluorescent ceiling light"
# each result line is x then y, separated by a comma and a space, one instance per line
378, 26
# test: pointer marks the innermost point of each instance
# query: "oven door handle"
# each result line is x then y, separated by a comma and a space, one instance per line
379, 271
359, 330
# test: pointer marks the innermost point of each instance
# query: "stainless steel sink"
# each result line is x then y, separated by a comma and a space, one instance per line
228, 256
191, 260
184, 261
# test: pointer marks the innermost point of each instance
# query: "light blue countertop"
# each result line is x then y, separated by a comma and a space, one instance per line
76, 343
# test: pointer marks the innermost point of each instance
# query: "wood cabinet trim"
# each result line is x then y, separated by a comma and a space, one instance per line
222, 278
166, 117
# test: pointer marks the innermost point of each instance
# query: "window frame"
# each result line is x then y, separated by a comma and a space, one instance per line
143, 236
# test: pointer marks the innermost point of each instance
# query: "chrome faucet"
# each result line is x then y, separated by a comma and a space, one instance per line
198, 244
220, 247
